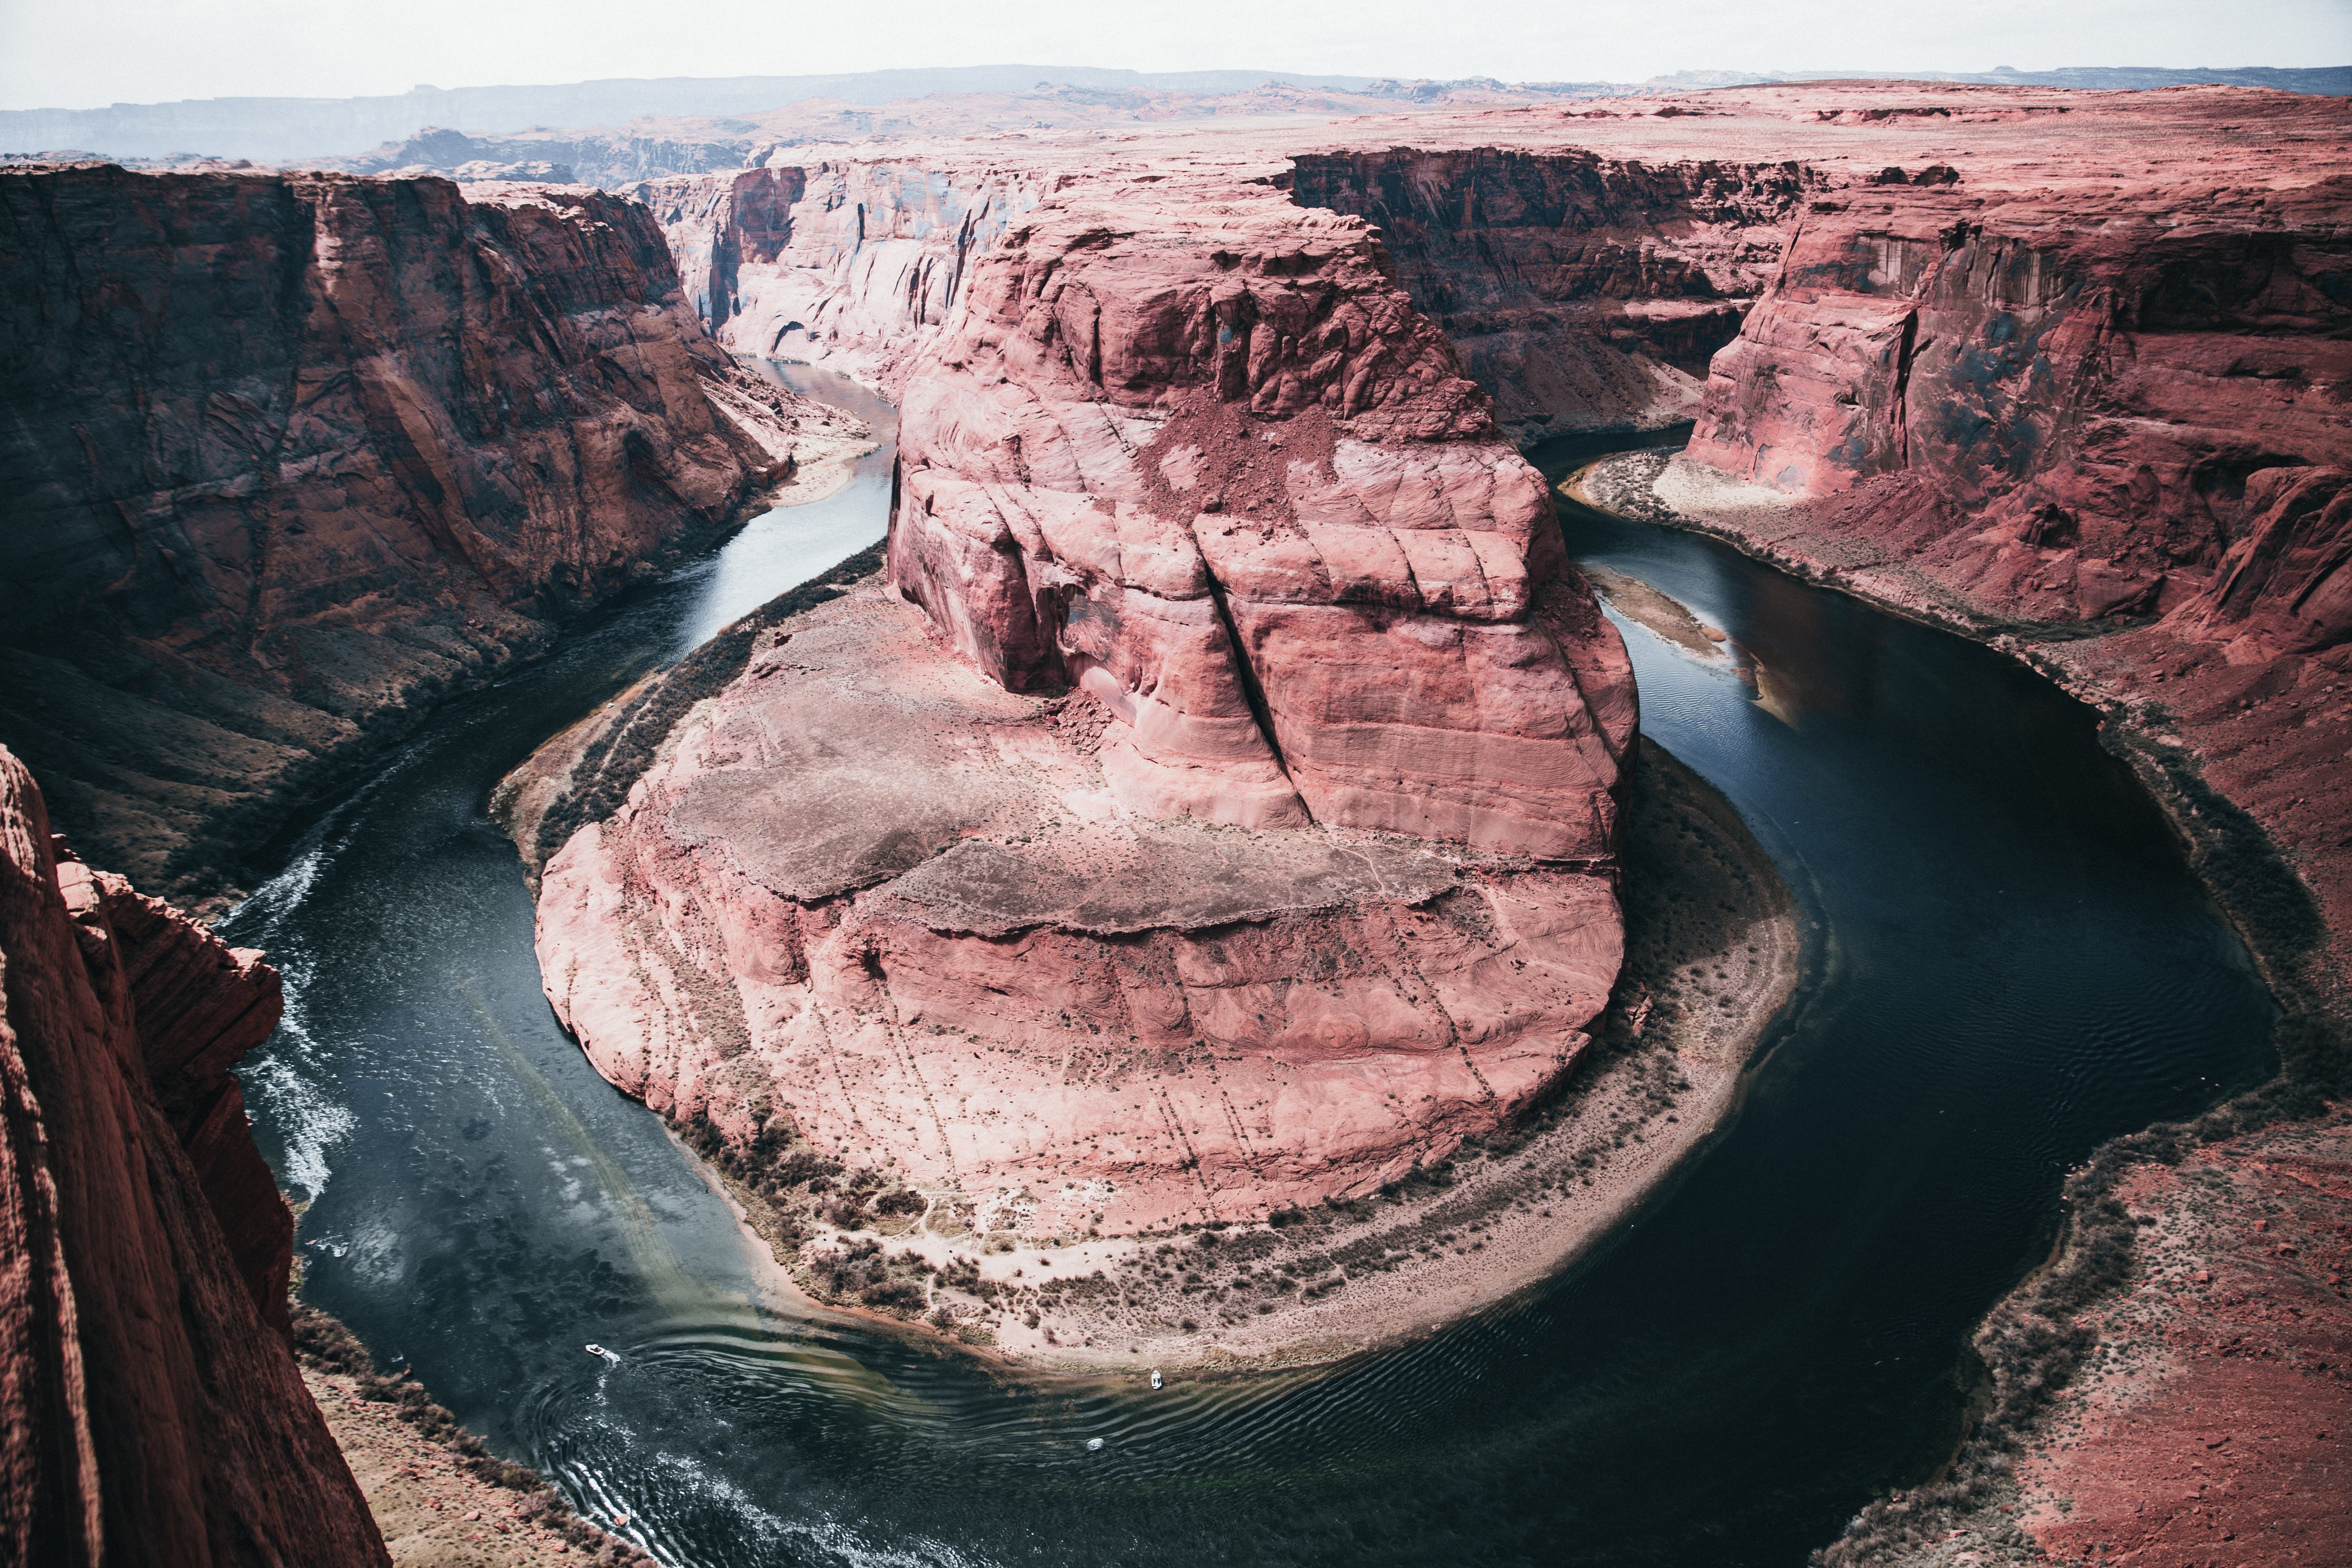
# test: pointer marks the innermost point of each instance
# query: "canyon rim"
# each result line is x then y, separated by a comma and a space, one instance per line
1197, 893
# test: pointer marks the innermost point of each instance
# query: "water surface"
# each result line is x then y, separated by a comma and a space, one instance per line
2010, 965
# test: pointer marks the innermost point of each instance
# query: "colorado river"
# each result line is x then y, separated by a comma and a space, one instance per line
2011, 963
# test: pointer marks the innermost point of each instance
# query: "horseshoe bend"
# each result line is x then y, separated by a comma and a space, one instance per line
1210, 810
1062, 667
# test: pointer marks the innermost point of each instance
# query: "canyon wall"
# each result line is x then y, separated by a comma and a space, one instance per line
2070, 406
1582, 292
152, 1413
1217, 813
290, 456
849, 265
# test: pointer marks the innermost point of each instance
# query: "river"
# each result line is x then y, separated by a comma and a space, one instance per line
2011, 963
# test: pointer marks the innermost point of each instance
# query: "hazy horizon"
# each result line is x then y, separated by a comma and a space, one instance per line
169, 50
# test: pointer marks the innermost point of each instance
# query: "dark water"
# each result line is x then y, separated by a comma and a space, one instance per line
2010, 964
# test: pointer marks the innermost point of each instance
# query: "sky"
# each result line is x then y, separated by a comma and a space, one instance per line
93, 52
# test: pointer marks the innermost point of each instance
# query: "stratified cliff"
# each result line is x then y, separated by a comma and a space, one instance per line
150, 1412
1583, 292
290, 456
2064, 404
2096, 406
851, 265
1217, 815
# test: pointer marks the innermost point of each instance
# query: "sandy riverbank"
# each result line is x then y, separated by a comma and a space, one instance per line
440, 1497
1713, 947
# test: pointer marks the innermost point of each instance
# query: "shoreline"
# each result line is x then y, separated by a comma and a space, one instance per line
2116, 1375
1672, 1060
438, 1493
837, 444
2162, 759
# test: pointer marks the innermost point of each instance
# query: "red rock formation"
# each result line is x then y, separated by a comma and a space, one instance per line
2059, 400
151, 1414
2212, 1431
1201, 461
903, 913
292, 454
1191, 464
1583, 292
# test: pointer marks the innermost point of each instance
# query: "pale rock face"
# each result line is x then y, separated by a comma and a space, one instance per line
851, 266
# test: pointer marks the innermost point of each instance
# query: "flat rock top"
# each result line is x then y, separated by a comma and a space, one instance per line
2092, 156
858, 753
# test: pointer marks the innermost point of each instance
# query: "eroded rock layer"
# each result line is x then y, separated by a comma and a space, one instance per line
1216, 816
876, 899
2076, 404
152, 1413
288, 455
1583, 292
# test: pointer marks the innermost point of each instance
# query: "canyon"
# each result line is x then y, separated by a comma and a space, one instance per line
1044, 951
1207, 813
294, 456
2062, 371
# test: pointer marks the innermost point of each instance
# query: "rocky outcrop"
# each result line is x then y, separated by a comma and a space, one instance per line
1582, 292
1217, 817
2212, 1424
291, 456
152, 1415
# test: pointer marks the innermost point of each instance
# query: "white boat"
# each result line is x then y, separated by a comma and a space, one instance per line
595, 1350
1157, 1381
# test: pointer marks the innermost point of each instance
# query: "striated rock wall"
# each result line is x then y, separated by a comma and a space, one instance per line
1202, 459
152, 1413
851, 265
292, 454
2066, 405
1218, 813
1582, 291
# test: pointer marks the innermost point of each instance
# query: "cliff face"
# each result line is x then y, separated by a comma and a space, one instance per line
1582, 292
152, 1415
292, 454
1219, 815
853, 266
2066, 406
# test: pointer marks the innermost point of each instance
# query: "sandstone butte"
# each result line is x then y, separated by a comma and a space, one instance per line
290, 457
153, 1411
1308, 880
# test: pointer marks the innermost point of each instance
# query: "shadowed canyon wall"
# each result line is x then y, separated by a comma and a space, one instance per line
154, 1413
1582, 292
291, 456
